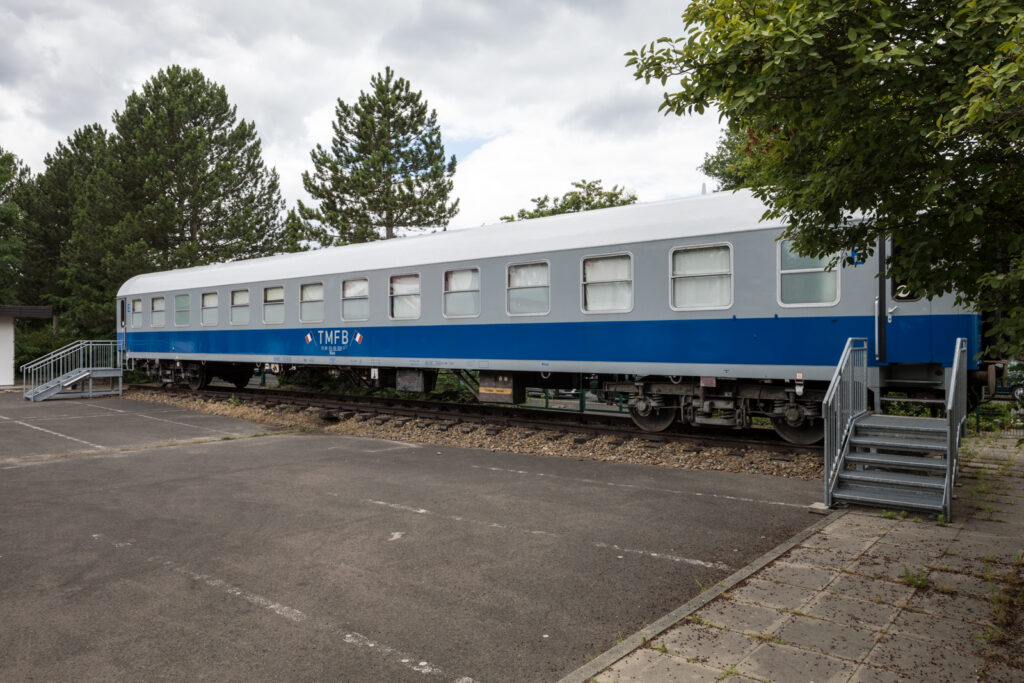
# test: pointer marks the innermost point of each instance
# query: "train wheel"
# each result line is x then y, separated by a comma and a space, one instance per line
200, 380
808, 433
656, 419
241, 377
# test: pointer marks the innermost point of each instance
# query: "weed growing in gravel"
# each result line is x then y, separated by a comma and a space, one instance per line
941, 519
663, 648
731, 671
917, 580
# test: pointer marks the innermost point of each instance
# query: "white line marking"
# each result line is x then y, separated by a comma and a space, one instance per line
186, 424
294, 615
699, 494
597, 544
395, 535
113, 410
48, 431
395, 445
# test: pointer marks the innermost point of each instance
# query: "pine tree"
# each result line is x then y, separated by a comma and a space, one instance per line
13, 176
385, 168
193, 175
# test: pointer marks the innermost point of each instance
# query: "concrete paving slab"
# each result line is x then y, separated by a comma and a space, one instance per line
920, 661
845, 610
770, 594
818, 557
811, 578
843, 543
861, 525
872, 674
741, 617
959, 634
871, 590
964, 584
649, 666
978, 610
774, 662
841, 640
716, 647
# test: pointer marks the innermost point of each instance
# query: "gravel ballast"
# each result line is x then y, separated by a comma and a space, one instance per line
681, 455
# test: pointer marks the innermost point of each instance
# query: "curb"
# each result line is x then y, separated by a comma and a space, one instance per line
655, 629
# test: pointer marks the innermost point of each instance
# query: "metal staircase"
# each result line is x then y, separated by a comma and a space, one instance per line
889, 460
69, 371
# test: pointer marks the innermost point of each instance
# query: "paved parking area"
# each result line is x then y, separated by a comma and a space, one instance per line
315, 556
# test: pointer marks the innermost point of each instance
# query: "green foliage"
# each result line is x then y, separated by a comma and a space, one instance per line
385, 168
180, 182
193, 176
906, 115
587, 195
35, 338
728, 163
13, 175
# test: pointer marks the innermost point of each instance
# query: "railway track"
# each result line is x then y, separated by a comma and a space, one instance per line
450, 415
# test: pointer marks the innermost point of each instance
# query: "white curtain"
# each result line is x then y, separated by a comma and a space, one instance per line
355, 288
809, 288
528, 275
702, 291
606, 268
462, 280
702, 261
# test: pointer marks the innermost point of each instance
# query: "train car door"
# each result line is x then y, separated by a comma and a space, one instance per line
902, 320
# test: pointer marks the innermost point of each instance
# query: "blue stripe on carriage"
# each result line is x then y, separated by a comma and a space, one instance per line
756, 341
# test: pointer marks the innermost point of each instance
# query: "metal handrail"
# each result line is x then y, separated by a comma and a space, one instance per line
956, 415
845, 401
88, 354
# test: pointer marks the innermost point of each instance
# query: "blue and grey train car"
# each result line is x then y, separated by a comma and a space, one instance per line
693, 309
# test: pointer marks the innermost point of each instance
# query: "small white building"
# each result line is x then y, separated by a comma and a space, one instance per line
8, 314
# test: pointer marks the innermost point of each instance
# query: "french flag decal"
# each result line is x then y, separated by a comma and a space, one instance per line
309, 338
359, 338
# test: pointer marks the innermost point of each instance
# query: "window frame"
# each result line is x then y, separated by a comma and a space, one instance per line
778, 280
584, 283
341, 313
508, 288
672, 277
322, 300
391, 296
188, 297
203, 307
478, 290
131, 313
153, 300
263, 303
232, 306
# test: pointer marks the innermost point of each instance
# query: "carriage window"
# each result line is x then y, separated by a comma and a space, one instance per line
121, 309
136, 312
311, 305
355, 299
607, 284
240, 307
702, 277
209, 314
528, 289
405, 296
273, 304
181, 309
803, 280
462, 293
157, 317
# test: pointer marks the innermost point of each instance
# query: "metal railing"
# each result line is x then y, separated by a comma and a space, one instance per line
88, 354
956, 417
845, 401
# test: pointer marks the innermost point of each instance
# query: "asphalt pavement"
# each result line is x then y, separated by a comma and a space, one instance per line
139, 541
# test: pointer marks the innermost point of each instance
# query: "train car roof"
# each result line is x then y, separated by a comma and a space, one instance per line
711, 214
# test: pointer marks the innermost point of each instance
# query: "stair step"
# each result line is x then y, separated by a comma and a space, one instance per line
903, 424
889, 497
909, 462
70, 379
900, 444
903, 479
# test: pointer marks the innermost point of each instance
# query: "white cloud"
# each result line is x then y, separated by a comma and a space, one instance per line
536, 91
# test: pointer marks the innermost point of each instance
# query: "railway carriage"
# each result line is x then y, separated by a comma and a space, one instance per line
691, 310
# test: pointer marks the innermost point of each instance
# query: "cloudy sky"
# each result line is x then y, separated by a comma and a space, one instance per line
530, 94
